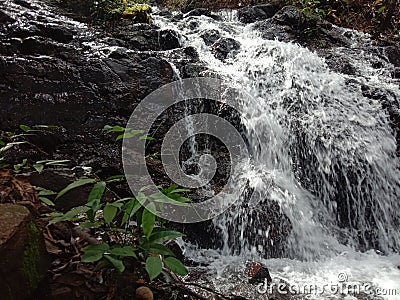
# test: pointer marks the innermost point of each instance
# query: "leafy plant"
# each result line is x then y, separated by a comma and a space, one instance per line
126, 133
11, 139
144, 241
109, 10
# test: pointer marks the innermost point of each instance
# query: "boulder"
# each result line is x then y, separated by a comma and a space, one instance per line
224, 46
147, 38
201, 12
255, 13
268, 230
393, 54
293, 17
210, 36
24, 260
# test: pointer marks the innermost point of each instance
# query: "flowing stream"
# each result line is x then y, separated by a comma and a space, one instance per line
322, 151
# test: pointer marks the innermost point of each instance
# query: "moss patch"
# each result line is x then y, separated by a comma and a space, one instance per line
32, 256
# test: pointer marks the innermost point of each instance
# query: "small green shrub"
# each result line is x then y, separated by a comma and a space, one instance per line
143, 241
127, 227
109, 10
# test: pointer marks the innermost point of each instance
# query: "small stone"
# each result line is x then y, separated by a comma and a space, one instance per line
144, 293
258, 273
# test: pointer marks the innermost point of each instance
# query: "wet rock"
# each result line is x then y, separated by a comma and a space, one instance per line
255, 13
258, 273
396, 73
210, 36
268, 231
224, 46
23, 3
56, 180
294, 18
169, 39
272, 31
177, 17
149, 39
56, 32
291, 25
340, 64
393, 54
165, 13
193, 70
24, 260
201, 12
5, 18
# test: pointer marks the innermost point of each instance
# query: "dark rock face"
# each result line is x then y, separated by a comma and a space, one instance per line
393, 54
291, 25
222, 47
24, 258
293, 17
339, 64
145, 37
255, 13
268, 231
54, 74
210, 36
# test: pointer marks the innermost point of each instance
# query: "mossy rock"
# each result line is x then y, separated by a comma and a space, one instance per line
24, 260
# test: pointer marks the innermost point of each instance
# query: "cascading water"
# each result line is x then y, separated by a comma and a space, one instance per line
322, 151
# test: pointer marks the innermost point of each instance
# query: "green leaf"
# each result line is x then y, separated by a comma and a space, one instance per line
129, 133
91, 256
97, 247
93, 206
94, 252
44, 192
130, 209
97, 191
158, 249
25, 128
146, 137
148, 220
176, 266
117, 263
123, 251
164, 235
45, 126
53, 162
115, 178
109, 129
75, 184
69, 215
10, 145
109, 213
38, 167
381, 9
153, 266
46, 201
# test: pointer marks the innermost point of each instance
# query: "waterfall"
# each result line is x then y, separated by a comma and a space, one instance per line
323, 154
